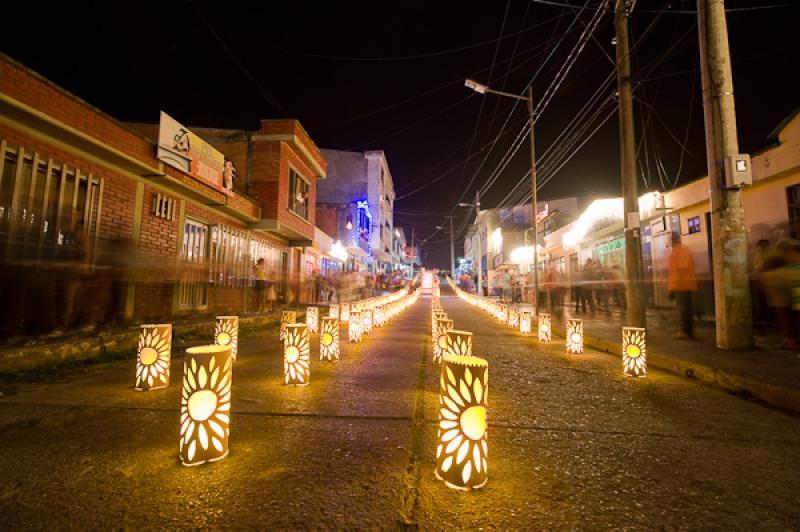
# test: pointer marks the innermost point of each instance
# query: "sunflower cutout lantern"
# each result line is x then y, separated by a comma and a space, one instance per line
504, 313
354, 328
153, 357
312, 319
440, 338
525, 321
344, 312
461, 450
329, 340
634, 352
436, 315
377, 316
458, 343
544, 327
366, 321
513, 317
333, 311
296, 367
575, 336
287, 317
205, 404
226, 332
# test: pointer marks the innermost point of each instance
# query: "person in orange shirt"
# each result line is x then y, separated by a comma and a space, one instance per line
682, 283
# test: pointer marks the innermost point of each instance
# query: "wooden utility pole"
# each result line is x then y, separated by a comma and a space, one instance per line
633, 248
732, 304
480, 245
452, 250
534, 224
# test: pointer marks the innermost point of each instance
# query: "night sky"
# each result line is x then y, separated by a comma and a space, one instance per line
388, 75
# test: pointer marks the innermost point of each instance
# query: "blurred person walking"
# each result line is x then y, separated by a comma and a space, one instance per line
682, 283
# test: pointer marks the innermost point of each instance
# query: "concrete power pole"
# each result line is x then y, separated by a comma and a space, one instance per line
480, 244
452, 251
633, 247
534, 224
728, 239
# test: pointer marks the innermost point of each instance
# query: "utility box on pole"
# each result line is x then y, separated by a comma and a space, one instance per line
737, 171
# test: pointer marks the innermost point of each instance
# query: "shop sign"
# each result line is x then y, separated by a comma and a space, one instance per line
182, 149
609, 247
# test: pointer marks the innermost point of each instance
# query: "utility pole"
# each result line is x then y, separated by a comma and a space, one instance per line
480, 244
534, 202
732, 304
633, 248
452, 251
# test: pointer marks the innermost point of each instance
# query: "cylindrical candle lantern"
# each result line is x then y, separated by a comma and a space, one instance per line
440, 338
206, 404
634, 351
525, 321
458, 343
344, 312
461, 450
329, 340
333, 311
287, 317
377, 316
296, 368
226, 332
575, 336
153, 357
544, 327
354, 327
312, 319
436, 315
513, 317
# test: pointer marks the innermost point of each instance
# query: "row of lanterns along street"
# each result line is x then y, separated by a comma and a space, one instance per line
461, 440
208, 369
634, 352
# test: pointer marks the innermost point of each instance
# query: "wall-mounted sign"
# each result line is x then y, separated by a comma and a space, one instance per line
182, 149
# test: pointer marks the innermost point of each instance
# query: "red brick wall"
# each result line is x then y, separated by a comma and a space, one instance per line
327, 220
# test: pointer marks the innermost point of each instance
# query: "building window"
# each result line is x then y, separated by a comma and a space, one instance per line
298, 194
229, 249
193, 287
693, 224
44, 204
793, 203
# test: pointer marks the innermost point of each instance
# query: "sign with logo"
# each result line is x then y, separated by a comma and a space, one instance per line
182, 149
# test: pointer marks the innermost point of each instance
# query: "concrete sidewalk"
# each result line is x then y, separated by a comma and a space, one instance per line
766, 372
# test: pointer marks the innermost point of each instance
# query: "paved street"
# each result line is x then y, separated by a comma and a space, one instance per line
572, 443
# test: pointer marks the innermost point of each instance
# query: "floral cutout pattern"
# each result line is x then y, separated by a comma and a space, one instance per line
226, 332
574, 336
296, 358
634, 351
153, 357
544, 327
329, 340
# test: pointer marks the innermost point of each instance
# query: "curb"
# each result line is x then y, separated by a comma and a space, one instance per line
33, 357
779, 396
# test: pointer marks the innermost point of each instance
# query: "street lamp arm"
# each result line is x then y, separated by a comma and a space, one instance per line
508, 94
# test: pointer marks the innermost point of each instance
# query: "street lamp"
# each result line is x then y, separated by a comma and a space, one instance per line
483, 89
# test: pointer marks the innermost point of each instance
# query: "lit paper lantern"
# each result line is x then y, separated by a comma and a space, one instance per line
504, 313
366, 321
525, 321
458, 343
461, 451
344, 312
354, 327
513, 317
206, 404
575, 336
312, 319
329, 340
436, 315
440, 338
634, 351
226, 332
377, 316
153, 357
287, 317
296, 356
333, 311
544, 327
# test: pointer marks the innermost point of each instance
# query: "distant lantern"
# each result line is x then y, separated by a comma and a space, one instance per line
205, 404
287, 317
344, 312
377, 316
544, 327
461, 442
329, 339
513, 317
440, 338
436, 315
296, 358
458, 343
333, 311
575, 336
525, 321
153, 357
226, 332
634, 351
504, 313
366, 321
354, 327
312, 319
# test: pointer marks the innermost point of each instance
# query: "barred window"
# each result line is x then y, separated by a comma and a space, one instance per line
43, 205
229, 248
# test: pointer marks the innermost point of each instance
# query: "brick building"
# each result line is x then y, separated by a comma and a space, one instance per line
95, 226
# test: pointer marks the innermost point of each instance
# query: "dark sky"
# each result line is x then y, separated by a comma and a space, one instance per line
389, 75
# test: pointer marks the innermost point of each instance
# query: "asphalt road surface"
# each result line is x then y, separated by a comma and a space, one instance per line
572, 444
